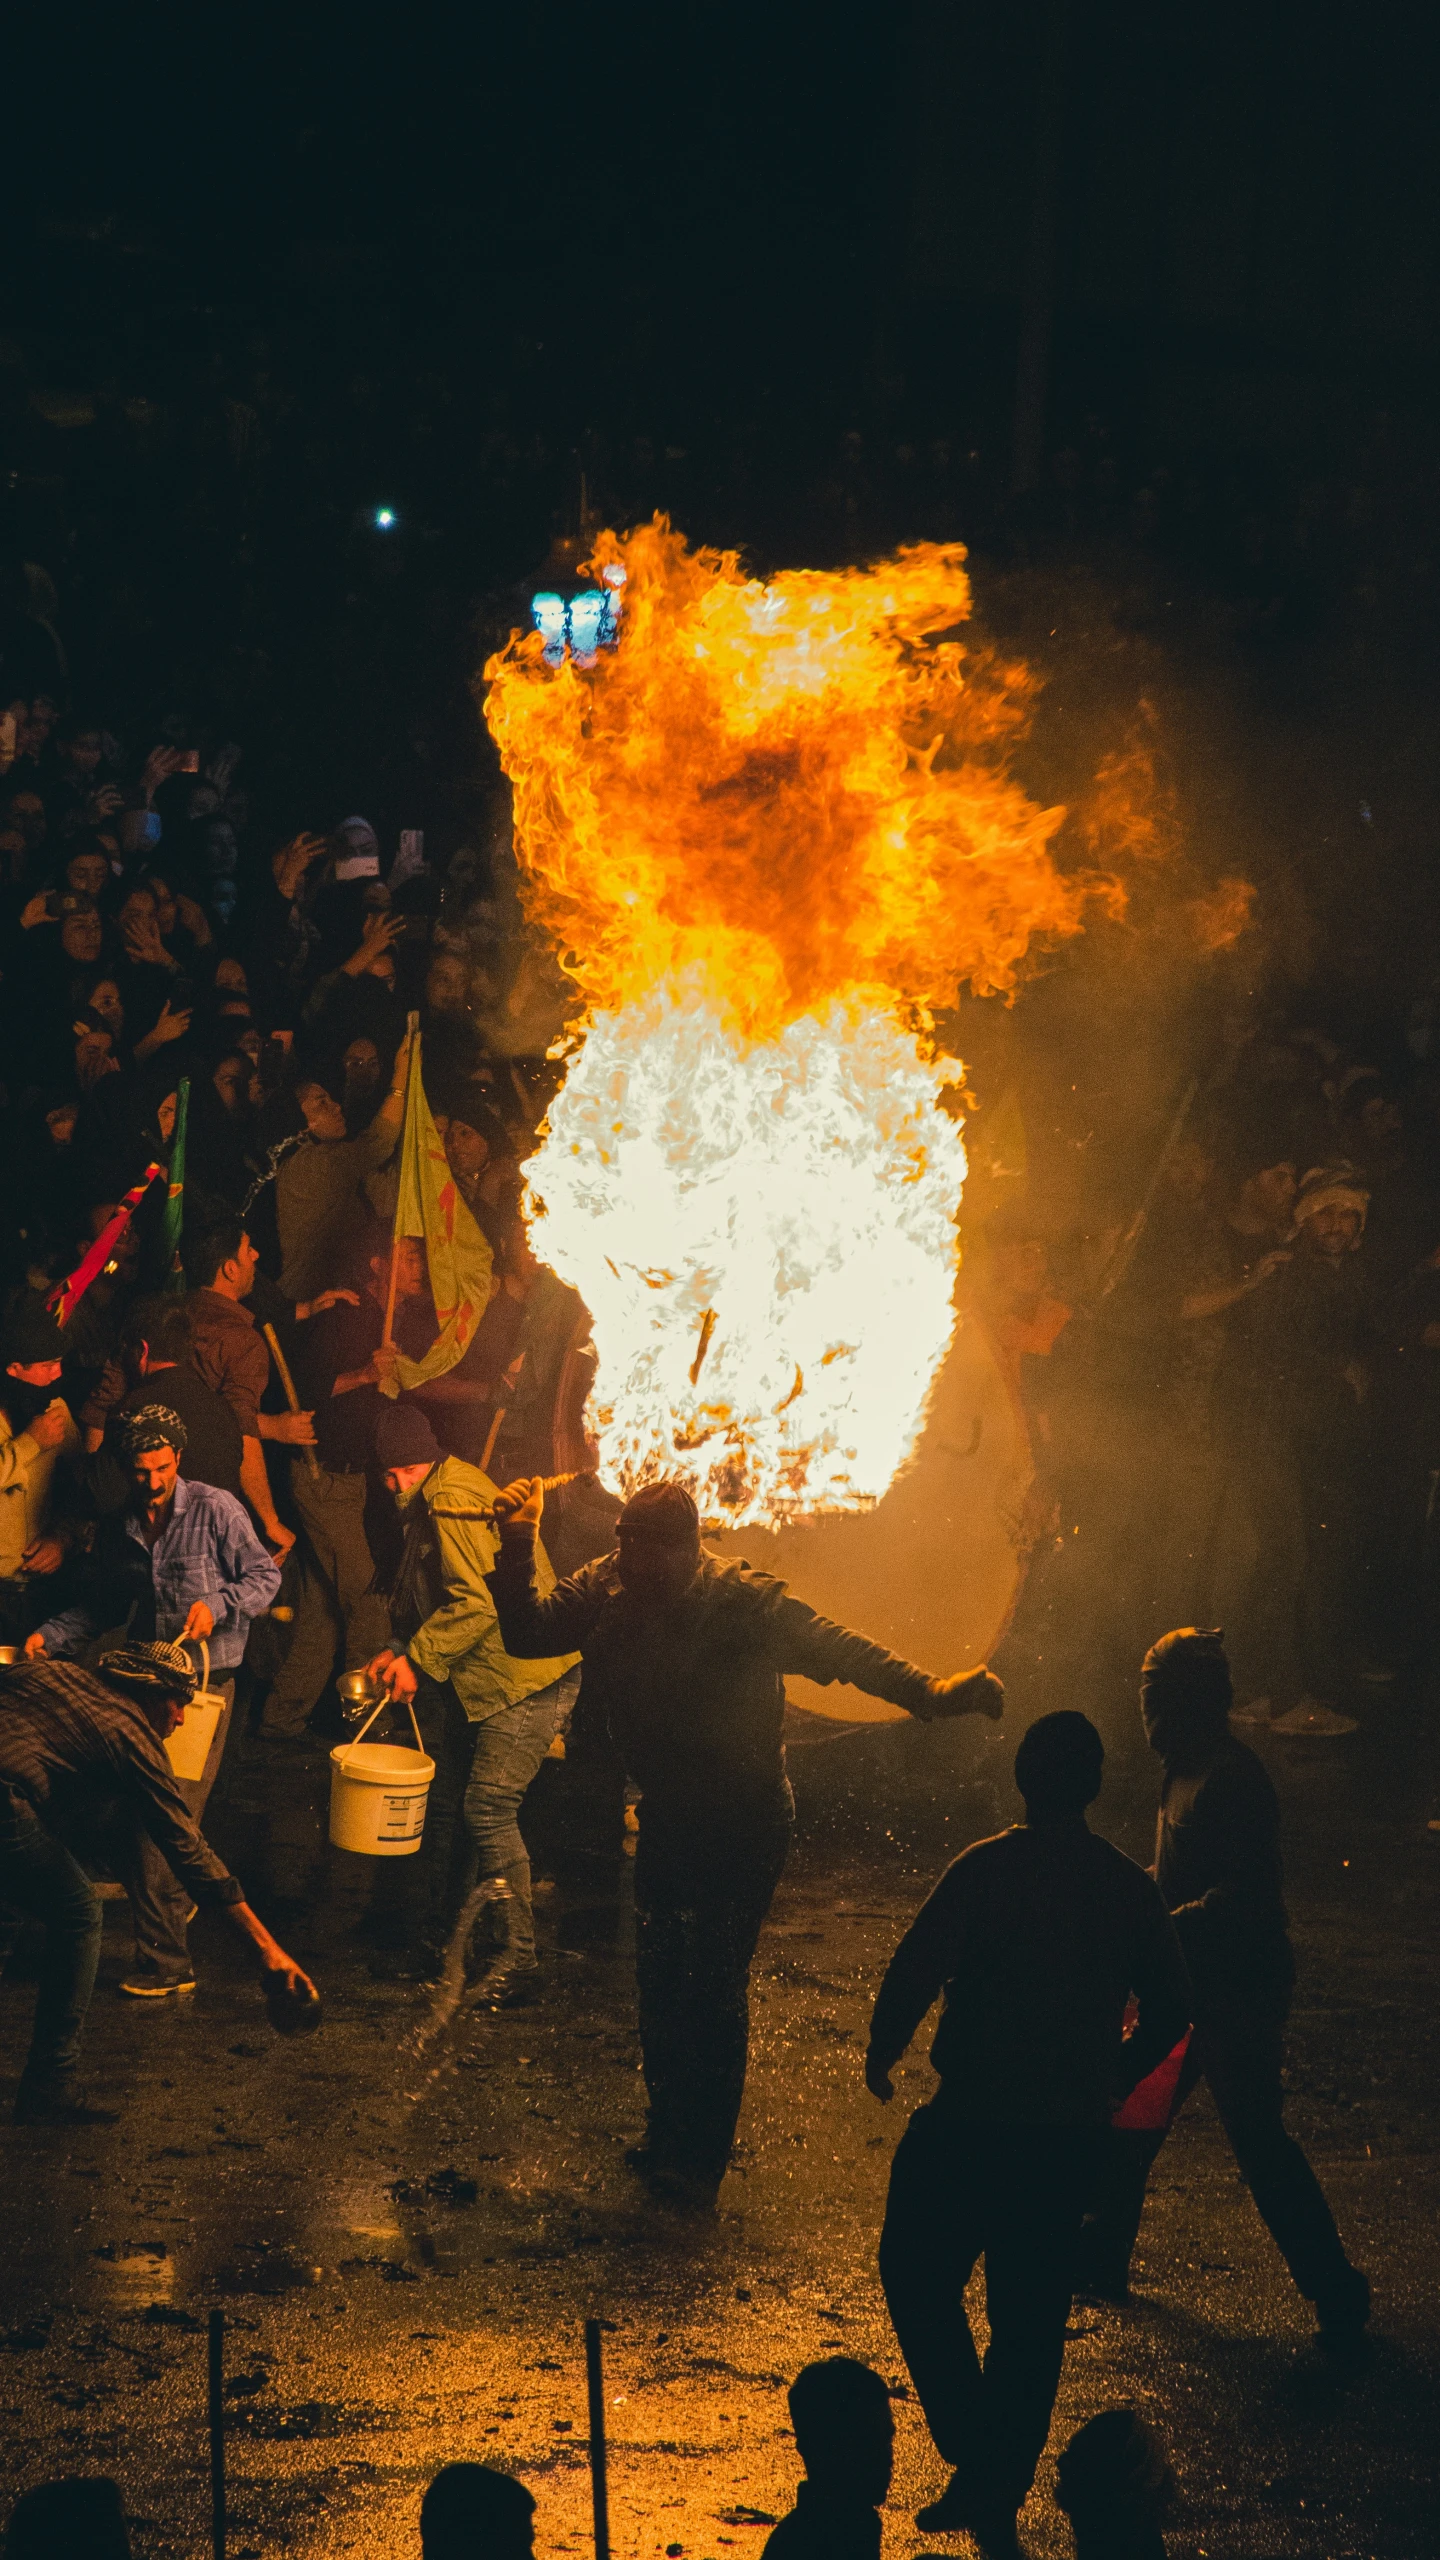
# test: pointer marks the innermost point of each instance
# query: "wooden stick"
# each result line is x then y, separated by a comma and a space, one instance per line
599, 2486
217, 2433
491, 1437
288, 1383
412, 1029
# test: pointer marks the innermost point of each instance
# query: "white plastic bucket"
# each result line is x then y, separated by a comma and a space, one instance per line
188, 1748
378, 1794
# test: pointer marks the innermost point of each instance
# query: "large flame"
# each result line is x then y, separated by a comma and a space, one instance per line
768, 833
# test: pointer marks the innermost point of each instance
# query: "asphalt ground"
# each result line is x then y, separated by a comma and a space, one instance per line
407, 2222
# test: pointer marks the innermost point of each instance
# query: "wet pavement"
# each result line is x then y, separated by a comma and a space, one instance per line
406, 2223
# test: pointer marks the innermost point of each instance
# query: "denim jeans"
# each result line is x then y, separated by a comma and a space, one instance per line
509, 1748
39, 1877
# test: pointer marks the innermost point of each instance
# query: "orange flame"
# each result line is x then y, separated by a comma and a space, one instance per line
768, 834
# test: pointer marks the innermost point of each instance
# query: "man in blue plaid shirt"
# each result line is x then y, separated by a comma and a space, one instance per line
182, 1564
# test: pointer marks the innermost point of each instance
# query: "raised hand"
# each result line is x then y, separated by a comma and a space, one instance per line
521, 1504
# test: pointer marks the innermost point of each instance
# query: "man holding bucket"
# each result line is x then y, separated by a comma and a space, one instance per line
74, 1746
182, 1563
487, 1719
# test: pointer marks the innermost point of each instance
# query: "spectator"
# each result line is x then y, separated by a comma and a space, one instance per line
470, 2512
326, 1195
840, 2411
1116, 2486
36, 1429
74, 2519
230, 1356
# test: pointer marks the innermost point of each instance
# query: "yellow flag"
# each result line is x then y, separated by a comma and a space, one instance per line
459, 1258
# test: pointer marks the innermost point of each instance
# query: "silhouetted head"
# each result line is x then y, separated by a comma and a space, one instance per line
658, 1535
68, 2517
1185, 1692
1059, 1765
470, 2512
840, 2411
1114, 2483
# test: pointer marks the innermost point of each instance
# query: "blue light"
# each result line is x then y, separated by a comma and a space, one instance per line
384, 519
587, 623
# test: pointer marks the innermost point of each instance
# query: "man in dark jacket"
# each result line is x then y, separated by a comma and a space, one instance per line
683, 1661
74, 1746
1217, 1864
1037, 1939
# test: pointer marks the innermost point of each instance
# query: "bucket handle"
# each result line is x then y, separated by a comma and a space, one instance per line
204, 1660
387, 1701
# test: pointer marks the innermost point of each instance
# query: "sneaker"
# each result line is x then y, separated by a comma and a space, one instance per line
62, 2106
1253, 1711
1311, 1719
144, 1985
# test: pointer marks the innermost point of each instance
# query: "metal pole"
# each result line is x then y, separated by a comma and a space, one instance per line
217, 2433
599, 2486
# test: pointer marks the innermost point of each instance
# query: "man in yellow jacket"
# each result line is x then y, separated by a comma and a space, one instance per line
487, 1719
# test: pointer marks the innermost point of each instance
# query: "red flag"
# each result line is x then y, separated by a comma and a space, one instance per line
64, 1299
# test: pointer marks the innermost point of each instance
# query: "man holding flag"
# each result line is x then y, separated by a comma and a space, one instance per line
354, 1361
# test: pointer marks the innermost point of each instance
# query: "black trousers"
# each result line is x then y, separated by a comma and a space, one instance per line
698, 1918
1014, 2195
1239, 2050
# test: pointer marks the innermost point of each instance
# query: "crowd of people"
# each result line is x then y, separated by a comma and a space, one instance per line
1232, 1395
206, 1446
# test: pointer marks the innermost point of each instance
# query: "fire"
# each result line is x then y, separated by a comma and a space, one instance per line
770, 833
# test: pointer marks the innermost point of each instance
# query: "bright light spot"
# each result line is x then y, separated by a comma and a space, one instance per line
385, 519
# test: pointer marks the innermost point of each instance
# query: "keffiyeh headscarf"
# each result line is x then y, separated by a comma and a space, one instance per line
152, 1426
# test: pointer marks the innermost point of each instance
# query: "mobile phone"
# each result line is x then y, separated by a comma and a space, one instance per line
189, 761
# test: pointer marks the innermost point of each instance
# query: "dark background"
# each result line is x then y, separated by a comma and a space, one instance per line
1140, 303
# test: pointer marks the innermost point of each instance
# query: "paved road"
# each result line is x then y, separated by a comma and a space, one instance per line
406, 2246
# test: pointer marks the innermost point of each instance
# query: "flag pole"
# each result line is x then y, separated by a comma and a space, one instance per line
412, 1033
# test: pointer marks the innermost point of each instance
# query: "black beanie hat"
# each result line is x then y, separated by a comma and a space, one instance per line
404, 1438
31, 1335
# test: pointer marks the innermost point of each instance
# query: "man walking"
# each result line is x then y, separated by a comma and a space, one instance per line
1217, 1864
1037, 1939
685, 1656
73, 1745
181, 1563
487, 1718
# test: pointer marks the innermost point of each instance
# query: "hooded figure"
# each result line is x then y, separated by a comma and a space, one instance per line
1217, 1864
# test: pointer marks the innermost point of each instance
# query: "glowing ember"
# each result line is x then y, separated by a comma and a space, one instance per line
768, 833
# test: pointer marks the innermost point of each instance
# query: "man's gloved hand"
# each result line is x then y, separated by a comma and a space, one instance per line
969, 1693
519, 1505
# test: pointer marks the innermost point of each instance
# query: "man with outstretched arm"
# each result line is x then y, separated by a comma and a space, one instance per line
1036, 1939
683, 1662
73, 1745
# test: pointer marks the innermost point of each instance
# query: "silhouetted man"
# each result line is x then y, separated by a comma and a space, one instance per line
1037, 1939
683, 1662
1115, 2484
845, 2435
470, 2512
1217, 1863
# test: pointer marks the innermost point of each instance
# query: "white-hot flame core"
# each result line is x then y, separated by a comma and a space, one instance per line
803, 1193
